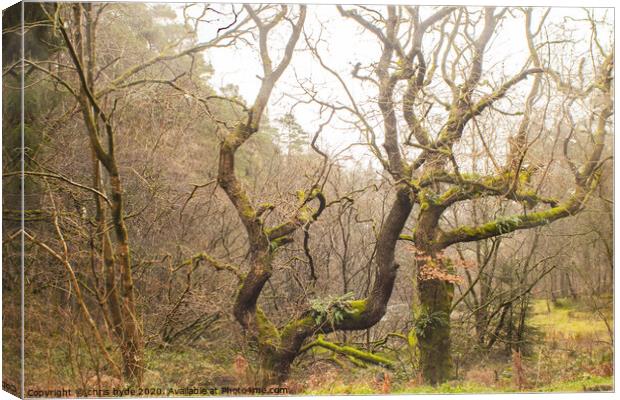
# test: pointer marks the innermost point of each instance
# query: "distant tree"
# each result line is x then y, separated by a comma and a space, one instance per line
292, 135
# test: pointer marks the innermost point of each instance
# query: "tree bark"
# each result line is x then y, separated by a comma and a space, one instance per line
432, 316
127, 327
278, 347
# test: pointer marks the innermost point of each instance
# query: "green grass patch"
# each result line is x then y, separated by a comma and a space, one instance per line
182, 366
596, 383
451, 387
591, 383
566, 319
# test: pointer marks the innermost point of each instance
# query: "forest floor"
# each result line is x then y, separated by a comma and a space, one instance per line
570, 351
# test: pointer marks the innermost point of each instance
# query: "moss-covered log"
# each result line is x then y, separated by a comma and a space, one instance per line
350, 351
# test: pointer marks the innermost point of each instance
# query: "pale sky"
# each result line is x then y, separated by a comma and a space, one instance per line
344, 44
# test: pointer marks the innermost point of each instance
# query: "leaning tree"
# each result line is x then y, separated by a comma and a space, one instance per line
279, 346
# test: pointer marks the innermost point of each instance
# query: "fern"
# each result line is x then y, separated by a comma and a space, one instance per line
427, 321
331, 309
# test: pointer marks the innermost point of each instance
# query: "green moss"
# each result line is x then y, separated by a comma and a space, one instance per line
508, 224
267, 332
269, 231
354, 352
412, 339
471, 176
407, 170
524, 176
246, 205
426, 198
296, 326
447, 194
305, 214
357, 307
353, 310
266, 206
301, 195
315, 192
468, 230
277, 243
406, 237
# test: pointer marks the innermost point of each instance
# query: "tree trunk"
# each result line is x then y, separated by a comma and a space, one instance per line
278, 348
133, 359
433, 329
482, 322
275, 366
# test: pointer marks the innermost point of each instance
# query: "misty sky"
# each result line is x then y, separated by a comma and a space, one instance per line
344, 43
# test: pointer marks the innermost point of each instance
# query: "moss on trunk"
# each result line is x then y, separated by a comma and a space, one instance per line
432, 328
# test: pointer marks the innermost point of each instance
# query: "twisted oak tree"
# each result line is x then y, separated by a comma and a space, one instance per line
278, 346
433, 178
430, 182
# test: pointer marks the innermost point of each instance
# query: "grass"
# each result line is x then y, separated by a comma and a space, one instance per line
566, 319
450, 387
569, 355
341, 388
183, 366
578, 385
572, 349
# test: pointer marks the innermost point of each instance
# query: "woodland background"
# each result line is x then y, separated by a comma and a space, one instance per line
139, 245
